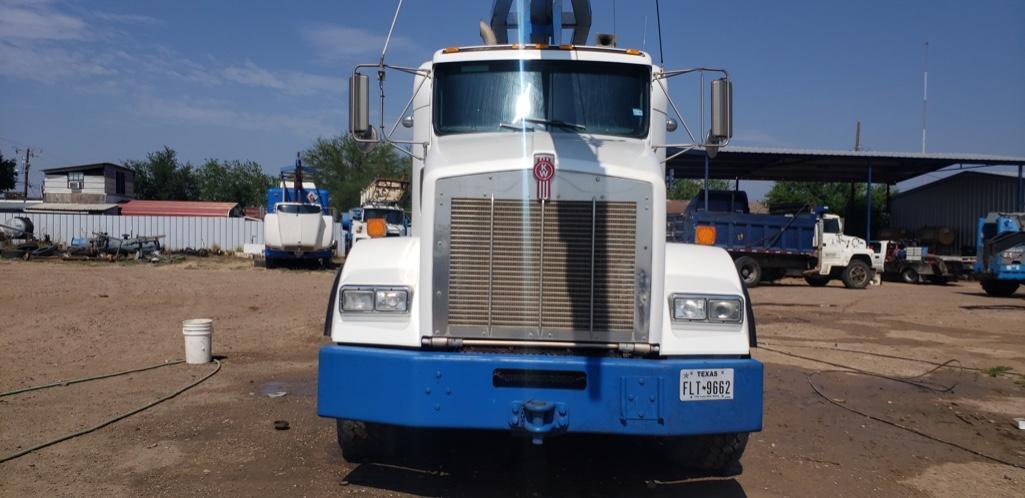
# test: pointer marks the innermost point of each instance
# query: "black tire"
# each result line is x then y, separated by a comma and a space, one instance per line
817, 280
857, 275
714, 452
999, 288
365, 441
750, 271
909, 276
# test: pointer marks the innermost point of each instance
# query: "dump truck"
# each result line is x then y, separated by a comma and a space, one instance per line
767, 247
1000, 253
537, 294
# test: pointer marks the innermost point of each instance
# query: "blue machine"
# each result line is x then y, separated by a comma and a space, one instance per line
1000, 253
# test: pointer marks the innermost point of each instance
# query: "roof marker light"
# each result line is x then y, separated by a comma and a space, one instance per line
450, 50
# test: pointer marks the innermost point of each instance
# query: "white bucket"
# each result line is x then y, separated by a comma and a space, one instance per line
198, 334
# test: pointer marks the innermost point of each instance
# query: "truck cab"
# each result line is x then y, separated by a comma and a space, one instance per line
837, 250
537, 294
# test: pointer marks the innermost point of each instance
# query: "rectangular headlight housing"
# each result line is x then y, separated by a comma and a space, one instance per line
725, 310
689, 308
707, 309
391, 300
373, 299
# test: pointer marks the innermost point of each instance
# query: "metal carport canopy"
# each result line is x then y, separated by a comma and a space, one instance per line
809, 165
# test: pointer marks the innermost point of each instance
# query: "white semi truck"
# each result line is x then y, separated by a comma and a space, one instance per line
537, 293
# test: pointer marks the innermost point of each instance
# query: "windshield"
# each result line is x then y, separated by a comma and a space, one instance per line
558, 96
391, 216
299, 208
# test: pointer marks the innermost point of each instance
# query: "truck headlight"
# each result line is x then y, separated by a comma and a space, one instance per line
374, 299
709, 309
689, 308
357, 300
391, 300
725, 310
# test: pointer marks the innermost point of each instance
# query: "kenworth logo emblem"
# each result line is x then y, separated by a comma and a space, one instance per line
544, 171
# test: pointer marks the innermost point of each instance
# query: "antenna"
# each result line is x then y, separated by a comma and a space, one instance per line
644, 34
658, 20
390, 31
925, 92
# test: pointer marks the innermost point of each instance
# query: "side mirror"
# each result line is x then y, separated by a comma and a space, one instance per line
722, 110
359, 107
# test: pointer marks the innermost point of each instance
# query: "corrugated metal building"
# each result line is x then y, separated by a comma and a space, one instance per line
958, 202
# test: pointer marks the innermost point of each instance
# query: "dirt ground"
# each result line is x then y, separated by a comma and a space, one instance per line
66, 320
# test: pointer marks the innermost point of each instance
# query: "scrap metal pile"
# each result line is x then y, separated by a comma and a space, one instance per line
19, 240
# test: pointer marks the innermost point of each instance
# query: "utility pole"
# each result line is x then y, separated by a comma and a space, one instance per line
925, 92
857, 136
28, 165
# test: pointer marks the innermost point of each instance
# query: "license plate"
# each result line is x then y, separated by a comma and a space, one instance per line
705, 385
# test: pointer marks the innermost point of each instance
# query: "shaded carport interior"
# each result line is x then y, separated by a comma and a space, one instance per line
811, 165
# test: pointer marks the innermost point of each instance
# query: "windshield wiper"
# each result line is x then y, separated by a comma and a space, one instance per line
556, 123
511, 126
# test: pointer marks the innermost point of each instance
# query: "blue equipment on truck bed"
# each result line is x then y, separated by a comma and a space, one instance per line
1000, 253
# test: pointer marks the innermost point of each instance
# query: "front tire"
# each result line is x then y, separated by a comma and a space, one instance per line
750, 271
999, 288
713, 452
364, 441
857, 275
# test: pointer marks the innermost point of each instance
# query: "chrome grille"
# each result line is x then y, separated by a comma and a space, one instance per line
557, 269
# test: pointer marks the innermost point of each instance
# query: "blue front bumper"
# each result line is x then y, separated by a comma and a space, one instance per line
432, 389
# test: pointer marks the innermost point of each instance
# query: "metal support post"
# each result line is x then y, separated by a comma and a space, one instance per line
868, 206
1021, 192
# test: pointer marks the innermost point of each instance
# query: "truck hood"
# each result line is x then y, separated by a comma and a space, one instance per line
511, 150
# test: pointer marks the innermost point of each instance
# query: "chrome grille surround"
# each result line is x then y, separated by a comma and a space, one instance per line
576, 267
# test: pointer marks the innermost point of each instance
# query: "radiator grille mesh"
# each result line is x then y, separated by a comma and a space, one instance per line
572, 271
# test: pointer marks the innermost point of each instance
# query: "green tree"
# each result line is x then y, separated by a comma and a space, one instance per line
344, 169
837, 196
232, 181
7, 176
163, 177
685, 189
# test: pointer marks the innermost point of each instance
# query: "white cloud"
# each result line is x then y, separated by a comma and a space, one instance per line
289, 82
335, 43
22, 20
218, 114
126, 18
46, 64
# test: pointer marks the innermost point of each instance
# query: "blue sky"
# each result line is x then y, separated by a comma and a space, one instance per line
88, 81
